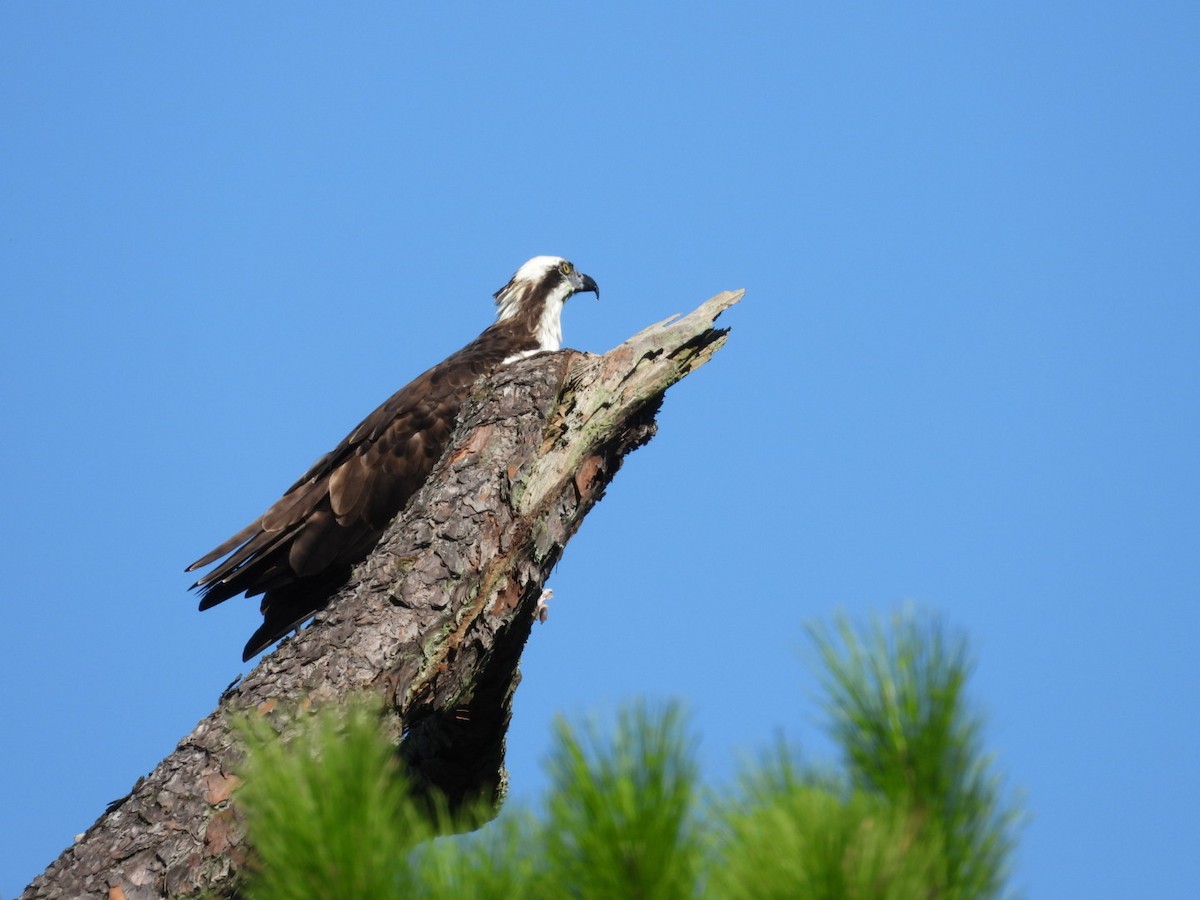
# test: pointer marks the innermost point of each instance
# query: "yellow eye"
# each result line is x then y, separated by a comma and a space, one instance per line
565, 267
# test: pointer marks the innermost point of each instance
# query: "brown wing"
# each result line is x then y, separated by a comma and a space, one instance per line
301, 550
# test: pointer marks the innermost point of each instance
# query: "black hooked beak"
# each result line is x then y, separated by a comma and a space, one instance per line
583, 283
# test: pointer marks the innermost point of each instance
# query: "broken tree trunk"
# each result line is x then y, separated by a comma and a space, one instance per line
433, 621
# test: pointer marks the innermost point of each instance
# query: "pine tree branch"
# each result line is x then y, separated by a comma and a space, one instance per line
433, 621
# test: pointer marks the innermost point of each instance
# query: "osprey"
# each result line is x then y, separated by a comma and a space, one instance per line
301, 550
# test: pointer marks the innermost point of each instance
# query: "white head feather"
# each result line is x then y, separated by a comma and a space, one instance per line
510, 298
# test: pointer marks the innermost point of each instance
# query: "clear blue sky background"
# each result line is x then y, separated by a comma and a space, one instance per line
966, 373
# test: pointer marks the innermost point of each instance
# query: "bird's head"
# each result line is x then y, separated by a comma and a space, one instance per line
536, 293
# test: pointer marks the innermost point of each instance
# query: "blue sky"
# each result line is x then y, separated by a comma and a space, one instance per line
966, 373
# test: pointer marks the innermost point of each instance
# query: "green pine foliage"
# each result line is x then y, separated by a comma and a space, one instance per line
617, 822
916, 812
895, 697
619, 814
790, 835
327, 811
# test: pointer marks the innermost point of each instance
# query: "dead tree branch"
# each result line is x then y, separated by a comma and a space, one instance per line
433, 621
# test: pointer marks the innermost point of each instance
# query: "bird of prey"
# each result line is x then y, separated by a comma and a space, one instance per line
301, 550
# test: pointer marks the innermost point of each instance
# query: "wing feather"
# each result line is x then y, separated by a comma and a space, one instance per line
220, 550
302, 548
349, 486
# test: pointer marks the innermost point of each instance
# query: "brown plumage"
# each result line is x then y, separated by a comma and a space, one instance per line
301, 550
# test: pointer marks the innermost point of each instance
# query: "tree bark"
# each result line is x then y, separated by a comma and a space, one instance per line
433, 621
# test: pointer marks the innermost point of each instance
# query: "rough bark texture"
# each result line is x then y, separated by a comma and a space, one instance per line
433, 621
